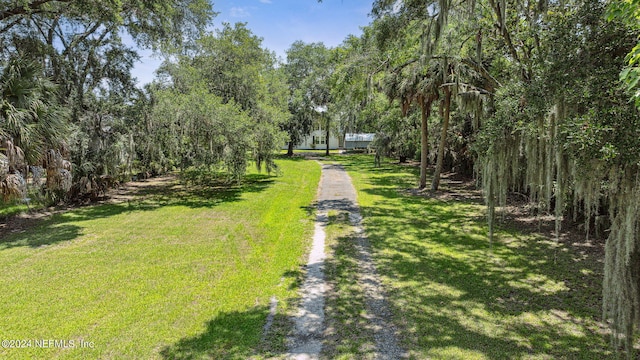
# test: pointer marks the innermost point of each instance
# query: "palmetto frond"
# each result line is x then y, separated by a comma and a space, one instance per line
28, 114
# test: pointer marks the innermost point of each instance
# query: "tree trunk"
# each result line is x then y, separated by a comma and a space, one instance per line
425, 106
491, 204
327, 153
290, 149
443, 139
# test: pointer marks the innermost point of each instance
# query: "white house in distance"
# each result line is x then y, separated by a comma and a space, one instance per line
317, 140
318, 137
358, 141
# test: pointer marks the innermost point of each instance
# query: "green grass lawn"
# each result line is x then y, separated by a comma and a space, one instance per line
455, 298
318, 151
350, 335
177, 273
16, 208
8, 210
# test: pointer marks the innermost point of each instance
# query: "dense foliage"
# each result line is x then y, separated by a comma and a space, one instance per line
307, 69
531, 90
71, 108
534, 97
220, 103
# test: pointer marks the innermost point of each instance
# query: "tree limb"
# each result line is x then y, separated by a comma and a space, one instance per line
501, 25
10, 25
467, 87
493, 83
33, 7
78, 38
402, 66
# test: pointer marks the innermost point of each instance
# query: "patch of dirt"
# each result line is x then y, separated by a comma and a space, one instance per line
125, 192
452, 187
135, 189
516, 215
23, 221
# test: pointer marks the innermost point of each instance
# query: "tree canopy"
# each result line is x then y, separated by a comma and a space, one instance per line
307, 72
535, 96
539, 98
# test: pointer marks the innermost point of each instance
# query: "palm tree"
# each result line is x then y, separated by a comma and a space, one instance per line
29, 115
414, 82
30, 123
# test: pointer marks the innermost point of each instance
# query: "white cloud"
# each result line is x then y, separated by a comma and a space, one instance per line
240, 12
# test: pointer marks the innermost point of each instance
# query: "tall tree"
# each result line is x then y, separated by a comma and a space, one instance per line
552, 113
628, 11
79, 46
417, 27
307, 70
29, 114
230, 67
354, 96
564, 122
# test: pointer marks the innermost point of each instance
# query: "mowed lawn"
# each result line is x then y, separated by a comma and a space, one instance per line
174, 273
453, 297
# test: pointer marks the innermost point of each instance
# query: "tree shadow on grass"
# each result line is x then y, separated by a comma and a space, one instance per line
40, 230
455, 296
504, 309
232, 335
351, 334
51, 235
205, 194
236, 335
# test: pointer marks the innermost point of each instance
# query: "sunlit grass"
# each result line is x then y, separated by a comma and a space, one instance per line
456, 297
8, 210
178, 273
18, 207
349, 335
318, 151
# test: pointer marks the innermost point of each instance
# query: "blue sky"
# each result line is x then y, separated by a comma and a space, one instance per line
281, 22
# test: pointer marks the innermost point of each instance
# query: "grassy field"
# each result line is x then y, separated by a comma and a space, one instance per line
456, 298
318, 151
188, 272
8, 210
15, 208
349, 333
176, 273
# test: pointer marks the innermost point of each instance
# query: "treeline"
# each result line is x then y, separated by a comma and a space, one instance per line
533, 97
73, 122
